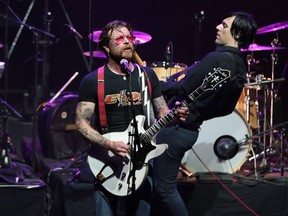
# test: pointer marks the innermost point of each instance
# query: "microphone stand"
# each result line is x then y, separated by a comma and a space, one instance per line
5, 157
135, 133
6, 35
199, 17
5, 112
88, 68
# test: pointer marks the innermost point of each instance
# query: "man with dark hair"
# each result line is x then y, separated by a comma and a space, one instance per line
233, 33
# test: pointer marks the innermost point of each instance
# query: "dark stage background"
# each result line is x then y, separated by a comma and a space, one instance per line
165, 21
25, 84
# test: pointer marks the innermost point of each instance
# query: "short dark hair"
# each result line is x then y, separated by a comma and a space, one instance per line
105, 36
244, 26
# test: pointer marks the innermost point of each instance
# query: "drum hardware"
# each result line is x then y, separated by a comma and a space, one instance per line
6, 112
275, 42
96, 54
50, 102
268, 152
249, 59
2, 67
256, 47
163, 74
273, 27
259, 84
246, 104
282, 163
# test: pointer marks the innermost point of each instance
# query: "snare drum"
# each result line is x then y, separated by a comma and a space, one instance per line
164, 73
213, 132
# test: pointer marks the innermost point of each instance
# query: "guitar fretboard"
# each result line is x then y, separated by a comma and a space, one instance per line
209, 83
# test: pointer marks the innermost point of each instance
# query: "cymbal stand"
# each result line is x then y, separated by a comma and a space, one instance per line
265, 160
274, 59
249, 59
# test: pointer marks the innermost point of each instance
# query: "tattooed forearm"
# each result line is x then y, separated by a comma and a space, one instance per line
87, 114
160, 107
84, 115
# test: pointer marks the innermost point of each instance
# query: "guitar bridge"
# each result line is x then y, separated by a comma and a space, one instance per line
100, 177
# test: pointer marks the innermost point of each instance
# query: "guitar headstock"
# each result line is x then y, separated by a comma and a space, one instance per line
215, 79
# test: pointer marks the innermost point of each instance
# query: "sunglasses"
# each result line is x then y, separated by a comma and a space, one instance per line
121, 39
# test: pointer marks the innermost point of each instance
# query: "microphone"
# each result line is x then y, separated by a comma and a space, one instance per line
167, 55
74, 31
124, 63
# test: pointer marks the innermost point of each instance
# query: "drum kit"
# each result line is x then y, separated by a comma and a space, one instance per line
243, 126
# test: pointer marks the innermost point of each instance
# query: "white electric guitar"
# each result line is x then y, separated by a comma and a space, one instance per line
115, 173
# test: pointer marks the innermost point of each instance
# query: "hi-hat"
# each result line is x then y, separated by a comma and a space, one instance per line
256, 47
96, 54
272, 27
140, 37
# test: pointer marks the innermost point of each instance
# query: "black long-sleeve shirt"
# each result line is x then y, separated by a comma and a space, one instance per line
214, 102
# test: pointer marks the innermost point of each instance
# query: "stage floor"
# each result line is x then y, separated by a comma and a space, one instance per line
243, 193
224, 194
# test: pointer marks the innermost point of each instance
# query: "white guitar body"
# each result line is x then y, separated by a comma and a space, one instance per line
115, 172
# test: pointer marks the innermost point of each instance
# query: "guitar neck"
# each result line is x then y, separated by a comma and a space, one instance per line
165, 120
209, 83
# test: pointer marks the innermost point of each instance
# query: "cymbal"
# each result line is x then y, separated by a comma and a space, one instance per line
272, 27
97, 54
140, 37
256, 47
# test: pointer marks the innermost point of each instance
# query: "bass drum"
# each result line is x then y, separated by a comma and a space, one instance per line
214, 135
56, 128
163, 73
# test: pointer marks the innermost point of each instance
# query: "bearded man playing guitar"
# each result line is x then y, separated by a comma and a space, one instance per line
123, 99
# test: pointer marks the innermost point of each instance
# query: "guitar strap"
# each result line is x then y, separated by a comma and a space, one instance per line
101, 103
145, 94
